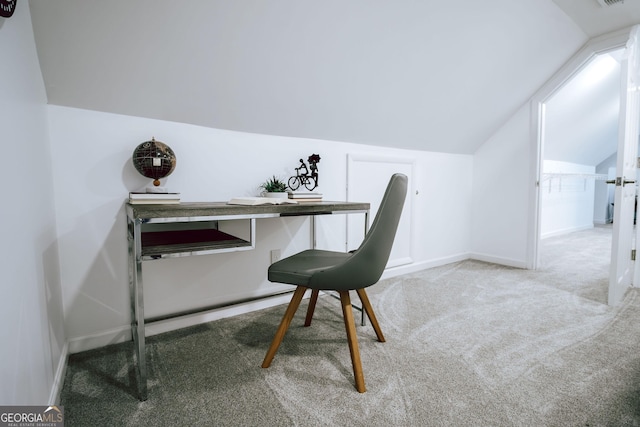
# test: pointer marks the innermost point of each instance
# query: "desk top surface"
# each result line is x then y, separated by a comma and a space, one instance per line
222, 209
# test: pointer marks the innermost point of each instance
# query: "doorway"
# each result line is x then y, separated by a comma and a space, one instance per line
570, 142
579, 145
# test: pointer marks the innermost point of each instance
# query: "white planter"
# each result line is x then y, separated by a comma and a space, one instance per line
276, 195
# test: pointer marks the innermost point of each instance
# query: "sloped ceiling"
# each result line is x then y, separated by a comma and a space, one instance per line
582, 117
596, 20
436, 76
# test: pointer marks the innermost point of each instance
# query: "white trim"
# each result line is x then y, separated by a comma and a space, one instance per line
565, 231
424, 265
400, 261
216, 314
101, 339
123, 334
590, 50
499, 260
58, 379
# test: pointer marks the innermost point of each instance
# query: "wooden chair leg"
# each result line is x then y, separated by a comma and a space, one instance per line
350, 326
284, 325
369, 310
312, 307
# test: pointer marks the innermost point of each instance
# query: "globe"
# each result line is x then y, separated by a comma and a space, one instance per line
154, 159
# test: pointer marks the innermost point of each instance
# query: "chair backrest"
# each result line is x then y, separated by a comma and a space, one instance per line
367, 263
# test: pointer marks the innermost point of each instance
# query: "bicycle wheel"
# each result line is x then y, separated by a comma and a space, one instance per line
294, 183
310, 183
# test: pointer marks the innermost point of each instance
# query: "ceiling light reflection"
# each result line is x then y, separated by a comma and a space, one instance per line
598, 70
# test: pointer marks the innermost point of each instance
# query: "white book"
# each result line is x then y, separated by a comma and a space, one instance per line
254, 201
304, 195
154, 201
309, 200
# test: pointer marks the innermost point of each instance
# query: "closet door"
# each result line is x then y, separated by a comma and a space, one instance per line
367, 178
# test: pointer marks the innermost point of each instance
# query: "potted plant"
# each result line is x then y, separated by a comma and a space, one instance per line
274, 187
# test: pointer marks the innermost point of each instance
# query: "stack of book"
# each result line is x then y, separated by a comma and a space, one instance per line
255, 201
144, 198
305, 196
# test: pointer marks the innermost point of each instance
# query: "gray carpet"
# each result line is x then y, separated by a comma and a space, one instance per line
578, 262
468, 344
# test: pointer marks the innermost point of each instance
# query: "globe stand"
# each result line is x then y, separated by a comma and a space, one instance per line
154, 189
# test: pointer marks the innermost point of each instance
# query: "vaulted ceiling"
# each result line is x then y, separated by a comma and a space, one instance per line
436, 76
582, 117
595, 19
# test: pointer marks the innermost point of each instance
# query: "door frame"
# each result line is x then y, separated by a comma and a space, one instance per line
594, 47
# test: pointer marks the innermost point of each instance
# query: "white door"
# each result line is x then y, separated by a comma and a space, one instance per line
625, 193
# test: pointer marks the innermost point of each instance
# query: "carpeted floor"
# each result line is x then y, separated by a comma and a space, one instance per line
468, 344
578, 262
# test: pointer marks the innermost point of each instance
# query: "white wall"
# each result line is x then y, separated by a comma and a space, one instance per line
500, 203
93, 174
566, 198
502, 192
32, 334
503, 175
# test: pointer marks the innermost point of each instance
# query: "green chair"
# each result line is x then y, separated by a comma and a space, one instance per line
343, 272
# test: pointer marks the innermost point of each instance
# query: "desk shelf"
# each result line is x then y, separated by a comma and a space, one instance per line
177, 243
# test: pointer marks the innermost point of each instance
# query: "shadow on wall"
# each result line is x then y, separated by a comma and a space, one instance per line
133, 180
53, 295
94, 266
95, 273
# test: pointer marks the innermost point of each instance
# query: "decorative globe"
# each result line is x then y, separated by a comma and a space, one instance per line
154, 159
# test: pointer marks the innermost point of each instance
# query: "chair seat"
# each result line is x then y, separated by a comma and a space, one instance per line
298, 269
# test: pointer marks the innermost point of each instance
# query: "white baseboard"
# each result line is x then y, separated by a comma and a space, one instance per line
424, 265
509, 262
122, 334
216, 314
102, 339
565, 231
58, 379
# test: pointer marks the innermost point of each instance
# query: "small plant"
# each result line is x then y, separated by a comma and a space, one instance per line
274, 185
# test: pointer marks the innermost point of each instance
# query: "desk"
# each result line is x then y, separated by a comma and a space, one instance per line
152, 235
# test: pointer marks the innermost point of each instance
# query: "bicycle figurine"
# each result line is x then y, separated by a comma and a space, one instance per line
302, 177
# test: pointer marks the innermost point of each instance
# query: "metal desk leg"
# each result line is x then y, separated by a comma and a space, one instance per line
137, 306
313, 231
366, 222
363, 319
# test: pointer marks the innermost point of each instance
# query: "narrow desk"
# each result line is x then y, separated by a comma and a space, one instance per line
152, 235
